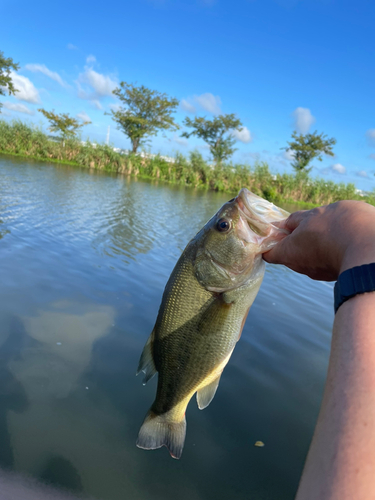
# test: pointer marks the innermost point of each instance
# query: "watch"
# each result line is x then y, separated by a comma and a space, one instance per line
359, 279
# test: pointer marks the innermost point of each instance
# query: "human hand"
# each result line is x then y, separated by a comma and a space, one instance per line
327, 240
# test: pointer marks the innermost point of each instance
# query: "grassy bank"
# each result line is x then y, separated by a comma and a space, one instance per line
23, 140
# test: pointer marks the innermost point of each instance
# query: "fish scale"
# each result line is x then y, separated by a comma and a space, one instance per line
202, 313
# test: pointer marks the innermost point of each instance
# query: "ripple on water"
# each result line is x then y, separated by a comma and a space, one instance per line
84, 258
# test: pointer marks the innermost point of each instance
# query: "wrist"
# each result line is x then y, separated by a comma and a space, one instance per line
357, 280
358, 255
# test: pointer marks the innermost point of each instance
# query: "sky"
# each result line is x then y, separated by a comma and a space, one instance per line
279, 65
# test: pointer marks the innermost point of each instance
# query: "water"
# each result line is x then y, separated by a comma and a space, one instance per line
84, 257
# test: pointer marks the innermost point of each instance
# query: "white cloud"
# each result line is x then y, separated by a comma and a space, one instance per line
70, 46
288, 155
114, 106
180, 140
26, 90
250, 154
209, 102
206, 101
96, 104
362, 173
372, 156
371, 136
83, 116
187, 106
42, 68
102, 85
20, 108
303, 119
90, 59
243, 136
338, 168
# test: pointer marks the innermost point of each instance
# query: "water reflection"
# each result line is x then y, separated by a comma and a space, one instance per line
3, 232
63, 347
49, 370
125, 229
13, 397
59, 472
82, 268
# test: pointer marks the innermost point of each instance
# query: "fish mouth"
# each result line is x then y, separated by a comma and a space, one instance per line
260, 214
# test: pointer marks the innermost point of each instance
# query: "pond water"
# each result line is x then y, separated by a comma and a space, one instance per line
84, 258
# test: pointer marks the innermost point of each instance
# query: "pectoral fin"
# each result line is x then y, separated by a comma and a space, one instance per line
146, 362
206, 394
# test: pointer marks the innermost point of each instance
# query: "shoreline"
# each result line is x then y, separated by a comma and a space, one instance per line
20, 140
302, 204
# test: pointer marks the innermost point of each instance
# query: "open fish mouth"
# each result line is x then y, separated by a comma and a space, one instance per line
258, 209
260, 215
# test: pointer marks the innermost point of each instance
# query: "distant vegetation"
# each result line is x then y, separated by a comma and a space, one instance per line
144, 113
304, 148
6, 84
65, 125
29, 141
217, 133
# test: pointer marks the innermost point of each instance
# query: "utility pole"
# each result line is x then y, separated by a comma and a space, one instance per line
107, 139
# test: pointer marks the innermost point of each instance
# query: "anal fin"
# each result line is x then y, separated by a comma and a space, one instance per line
206, 394
146, 362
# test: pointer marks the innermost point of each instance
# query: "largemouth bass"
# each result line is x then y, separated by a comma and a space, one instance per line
202, 314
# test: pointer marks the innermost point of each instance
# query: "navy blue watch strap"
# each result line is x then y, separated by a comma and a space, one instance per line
360, 279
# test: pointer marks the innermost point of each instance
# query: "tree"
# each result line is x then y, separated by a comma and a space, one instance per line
63, 123
147, 111
307, 147
6, 84
217, 133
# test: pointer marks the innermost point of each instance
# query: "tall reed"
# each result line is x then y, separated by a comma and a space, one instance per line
25, 140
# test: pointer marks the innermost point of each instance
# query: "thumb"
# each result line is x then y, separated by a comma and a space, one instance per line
294, 220
278, 253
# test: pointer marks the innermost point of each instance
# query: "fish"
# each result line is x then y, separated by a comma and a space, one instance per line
202, 313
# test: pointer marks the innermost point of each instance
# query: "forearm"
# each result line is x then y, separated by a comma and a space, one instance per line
341, 460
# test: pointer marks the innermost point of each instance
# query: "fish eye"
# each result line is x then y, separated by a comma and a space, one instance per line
223, 225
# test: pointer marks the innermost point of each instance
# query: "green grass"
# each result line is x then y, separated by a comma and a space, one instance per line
20, 139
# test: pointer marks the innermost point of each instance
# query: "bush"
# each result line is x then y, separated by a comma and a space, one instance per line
22, 139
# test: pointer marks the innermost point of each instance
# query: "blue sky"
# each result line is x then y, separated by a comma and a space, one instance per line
277, 64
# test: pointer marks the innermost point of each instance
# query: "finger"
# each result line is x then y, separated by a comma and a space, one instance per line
277, 254
291, 222
294, 220
269, 256
279, 223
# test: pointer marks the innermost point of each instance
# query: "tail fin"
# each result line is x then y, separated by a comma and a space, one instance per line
158, 431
